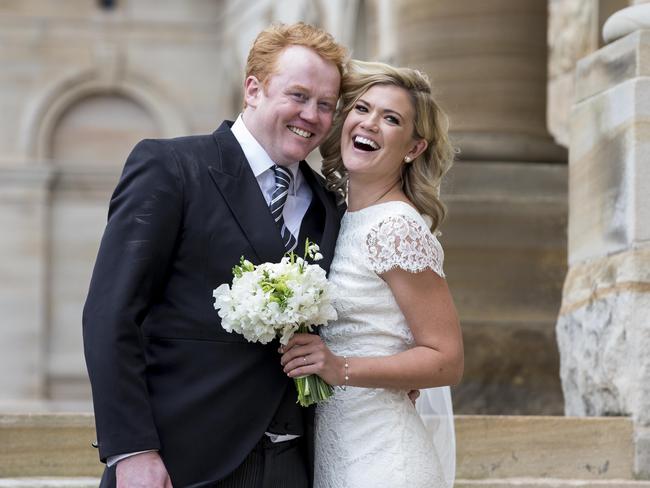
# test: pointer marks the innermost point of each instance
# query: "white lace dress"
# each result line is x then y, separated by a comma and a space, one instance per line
373, 437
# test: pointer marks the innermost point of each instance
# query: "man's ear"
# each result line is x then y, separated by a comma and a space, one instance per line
252, 91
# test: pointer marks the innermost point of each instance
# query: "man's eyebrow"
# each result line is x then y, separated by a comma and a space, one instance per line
297, 87
333, 97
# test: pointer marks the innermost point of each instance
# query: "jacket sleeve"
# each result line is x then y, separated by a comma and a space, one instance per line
144, 222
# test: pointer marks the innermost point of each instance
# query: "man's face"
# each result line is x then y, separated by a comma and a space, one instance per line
292, 115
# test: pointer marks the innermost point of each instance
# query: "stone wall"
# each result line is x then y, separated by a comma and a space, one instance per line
603, 330
79, 86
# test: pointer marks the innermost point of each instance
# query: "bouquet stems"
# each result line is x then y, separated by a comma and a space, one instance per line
311, 388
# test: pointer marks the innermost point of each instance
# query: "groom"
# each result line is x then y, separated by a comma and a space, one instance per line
177, 399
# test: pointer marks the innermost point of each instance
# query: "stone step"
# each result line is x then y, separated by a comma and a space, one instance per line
499, 447
49, 482
460, 483
549, 483
488, 447
48, 445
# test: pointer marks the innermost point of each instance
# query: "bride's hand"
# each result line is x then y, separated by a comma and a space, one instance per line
307, 354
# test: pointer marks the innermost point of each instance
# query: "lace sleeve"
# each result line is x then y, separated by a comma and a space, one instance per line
403, 242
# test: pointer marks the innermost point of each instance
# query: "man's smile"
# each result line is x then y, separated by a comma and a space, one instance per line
300, 132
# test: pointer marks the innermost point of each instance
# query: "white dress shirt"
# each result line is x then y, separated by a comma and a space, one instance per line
300, 193
295, 208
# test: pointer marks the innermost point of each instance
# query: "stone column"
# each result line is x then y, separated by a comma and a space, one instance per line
603, 329
505, 237
24, 193
488, 61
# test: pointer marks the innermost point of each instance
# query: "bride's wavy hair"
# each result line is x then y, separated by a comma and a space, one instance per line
421, 178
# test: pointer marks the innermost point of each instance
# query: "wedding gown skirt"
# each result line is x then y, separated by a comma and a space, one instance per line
373, 437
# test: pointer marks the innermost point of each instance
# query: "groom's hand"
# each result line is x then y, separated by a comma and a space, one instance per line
145, 470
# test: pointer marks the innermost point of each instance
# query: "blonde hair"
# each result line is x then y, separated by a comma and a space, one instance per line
421, 178
269, 43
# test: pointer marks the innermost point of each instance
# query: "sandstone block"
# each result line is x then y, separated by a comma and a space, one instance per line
48, 445
609, 202
622, 60
496, 447
604, 336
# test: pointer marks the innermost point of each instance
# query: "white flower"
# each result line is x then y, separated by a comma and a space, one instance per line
273, 299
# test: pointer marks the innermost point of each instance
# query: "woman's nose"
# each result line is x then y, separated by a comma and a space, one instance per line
370, 124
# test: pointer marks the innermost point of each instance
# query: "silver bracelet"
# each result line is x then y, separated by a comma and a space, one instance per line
344, 386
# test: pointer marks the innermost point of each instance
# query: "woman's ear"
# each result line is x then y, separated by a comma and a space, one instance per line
417, 149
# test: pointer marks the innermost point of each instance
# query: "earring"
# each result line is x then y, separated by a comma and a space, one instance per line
407, 159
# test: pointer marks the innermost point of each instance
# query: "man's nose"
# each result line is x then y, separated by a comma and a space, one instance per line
310, 111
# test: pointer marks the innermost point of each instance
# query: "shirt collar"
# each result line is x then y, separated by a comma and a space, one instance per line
257, 157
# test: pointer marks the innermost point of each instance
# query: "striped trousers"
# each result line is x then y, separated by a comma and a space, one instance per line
269, 465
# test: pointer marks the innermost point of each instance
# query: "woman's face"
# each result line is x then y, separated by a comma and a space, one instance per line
378, 133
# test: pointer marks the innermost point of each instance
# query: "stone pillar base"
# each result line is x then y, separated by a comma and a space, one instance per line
642, 452
604, 336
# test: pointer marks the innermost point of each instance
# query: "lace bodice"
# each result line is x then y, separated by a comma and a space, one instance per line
372, 436
373, 241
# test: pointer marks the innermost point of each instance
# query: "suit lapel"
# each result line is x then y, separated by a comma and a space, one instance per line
235, 180
330, 230
233, 177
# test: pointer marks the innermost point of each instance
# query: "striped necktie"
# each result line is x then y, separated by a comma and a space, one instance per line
278, 199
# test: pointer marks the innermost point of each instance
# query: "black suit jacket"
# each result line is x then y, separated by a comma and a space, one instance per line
164, 374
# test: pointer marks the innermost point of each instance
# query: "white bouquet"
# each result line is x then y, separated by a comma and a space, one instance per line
277, 300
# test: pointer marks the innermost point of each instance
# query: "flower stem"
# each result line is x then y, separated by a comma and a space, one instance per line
312, 388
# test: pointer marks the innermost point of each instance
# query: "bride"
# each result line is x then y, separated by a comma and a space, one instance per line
397, 328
